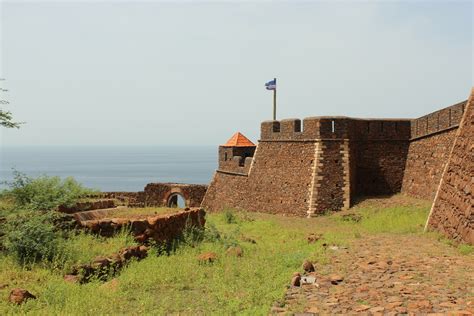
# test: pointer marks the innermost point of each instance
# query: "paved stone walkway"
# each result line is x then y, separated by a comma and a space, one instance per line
388, 275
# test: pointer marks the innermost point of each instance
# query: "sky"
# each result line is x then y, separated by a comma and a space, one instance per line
193, 73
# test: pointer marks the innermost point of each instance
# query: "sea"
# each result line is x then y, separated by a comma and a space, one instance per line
112, 168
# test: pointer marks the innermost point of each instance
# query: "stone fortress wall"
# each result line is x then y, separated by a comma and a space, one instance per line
323, 163
452, 212
432, 137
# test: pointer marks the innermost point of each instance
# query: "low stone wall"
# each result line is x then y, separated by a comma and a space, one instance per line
160, 228
131, 199
87, 206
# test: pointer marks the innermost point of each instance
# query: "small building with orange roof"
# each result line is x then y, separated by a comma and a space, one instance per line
234, 153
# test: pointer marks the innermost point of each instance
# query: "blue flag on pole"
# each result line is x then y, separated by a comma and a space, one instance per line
271, 85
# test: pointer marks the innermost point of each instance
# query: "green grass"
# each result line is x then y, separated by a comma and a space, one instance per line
178, 283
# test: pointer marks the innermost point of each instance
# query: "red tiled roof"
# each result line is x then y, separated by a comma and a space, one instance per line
239, 140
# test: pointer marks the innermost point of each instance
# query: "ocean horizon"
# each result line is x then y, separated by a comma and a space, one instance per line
112, 168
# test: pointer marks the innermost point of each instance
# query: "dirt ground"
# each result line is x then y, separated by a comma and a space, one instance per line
389, 275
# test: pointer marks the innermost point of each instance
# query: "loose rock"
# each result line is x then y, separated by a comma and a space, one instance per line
235, 251
296, 280
207, 257
312, 238
18, 296
308, 266
336, 278
72, 278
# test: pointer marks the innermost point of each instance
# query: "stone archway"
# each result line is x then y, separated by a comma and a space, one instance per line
176, 199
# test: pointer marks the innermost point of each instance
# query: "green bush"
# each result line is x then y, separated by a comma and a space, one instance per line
230, 217
44, 193
32, 237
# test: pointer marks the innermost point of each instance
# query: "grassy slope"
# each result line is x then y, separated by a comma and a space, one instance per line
179, 284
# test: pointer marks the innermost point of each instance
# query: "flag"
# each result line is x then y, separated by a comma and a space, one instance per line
271, 85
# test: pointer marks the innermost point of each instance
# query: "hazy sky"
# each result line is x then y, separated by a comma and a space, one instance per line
157, 73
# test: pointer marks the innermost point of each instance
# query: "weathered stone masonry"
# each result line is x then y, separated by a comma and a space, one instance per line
432, 137
310, 168
161, 194
452, 212
322, 163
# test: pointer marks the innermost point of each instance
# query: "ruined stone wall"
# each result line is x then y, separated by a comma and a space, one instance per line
158, 194
453, 209
160, 228
432, 137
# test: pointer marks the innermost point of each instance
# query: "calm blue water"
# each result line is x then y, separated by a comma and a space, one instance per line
113, 168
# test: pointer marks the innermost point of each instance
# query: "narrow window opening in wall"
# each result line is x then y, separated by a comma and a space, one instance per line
297, 126
336, 160
225, 157
368, 127
311, 162
333, 126
276, 127
242, 161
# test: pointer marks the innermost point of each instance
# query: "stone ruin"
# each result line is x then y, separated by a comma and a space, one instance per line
320, 164
160, 195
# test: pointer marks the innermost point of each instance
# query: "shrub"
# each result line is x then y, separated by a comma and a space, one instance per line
229, 217
211, 233
44, 193
32, 237
192, 235
466, 249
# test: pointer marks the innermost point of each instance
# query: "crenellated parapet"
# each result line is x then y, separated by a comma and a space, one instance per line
438, 121
235, 159
336, 127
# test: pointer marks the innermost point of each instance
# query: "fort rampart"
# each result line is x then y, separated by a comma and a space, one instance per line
452, 212
319, 164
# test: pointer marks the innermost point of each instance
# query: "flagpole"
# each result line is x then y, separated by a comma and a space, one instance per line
274, 101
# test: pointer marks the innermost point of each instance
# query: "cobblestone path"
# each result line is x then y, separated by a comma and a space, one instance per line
388, 275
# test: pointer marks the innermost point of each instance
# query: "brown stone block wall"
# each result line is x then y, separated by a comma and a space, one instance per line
226, 191
437, 121
290, 129
235, 159
278, 183
426, 159
453, 209
379, 166
311, 127
330, 182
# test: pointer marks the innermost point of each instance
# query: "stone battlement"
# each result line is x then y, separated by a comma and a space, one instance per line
438, 121
335, 127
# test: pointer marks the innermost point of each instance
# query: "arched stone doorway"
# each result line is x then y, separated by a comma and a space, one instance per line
176, 200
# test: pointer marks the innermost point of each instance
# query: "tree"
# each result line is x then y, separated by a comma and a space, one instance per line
6, 118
